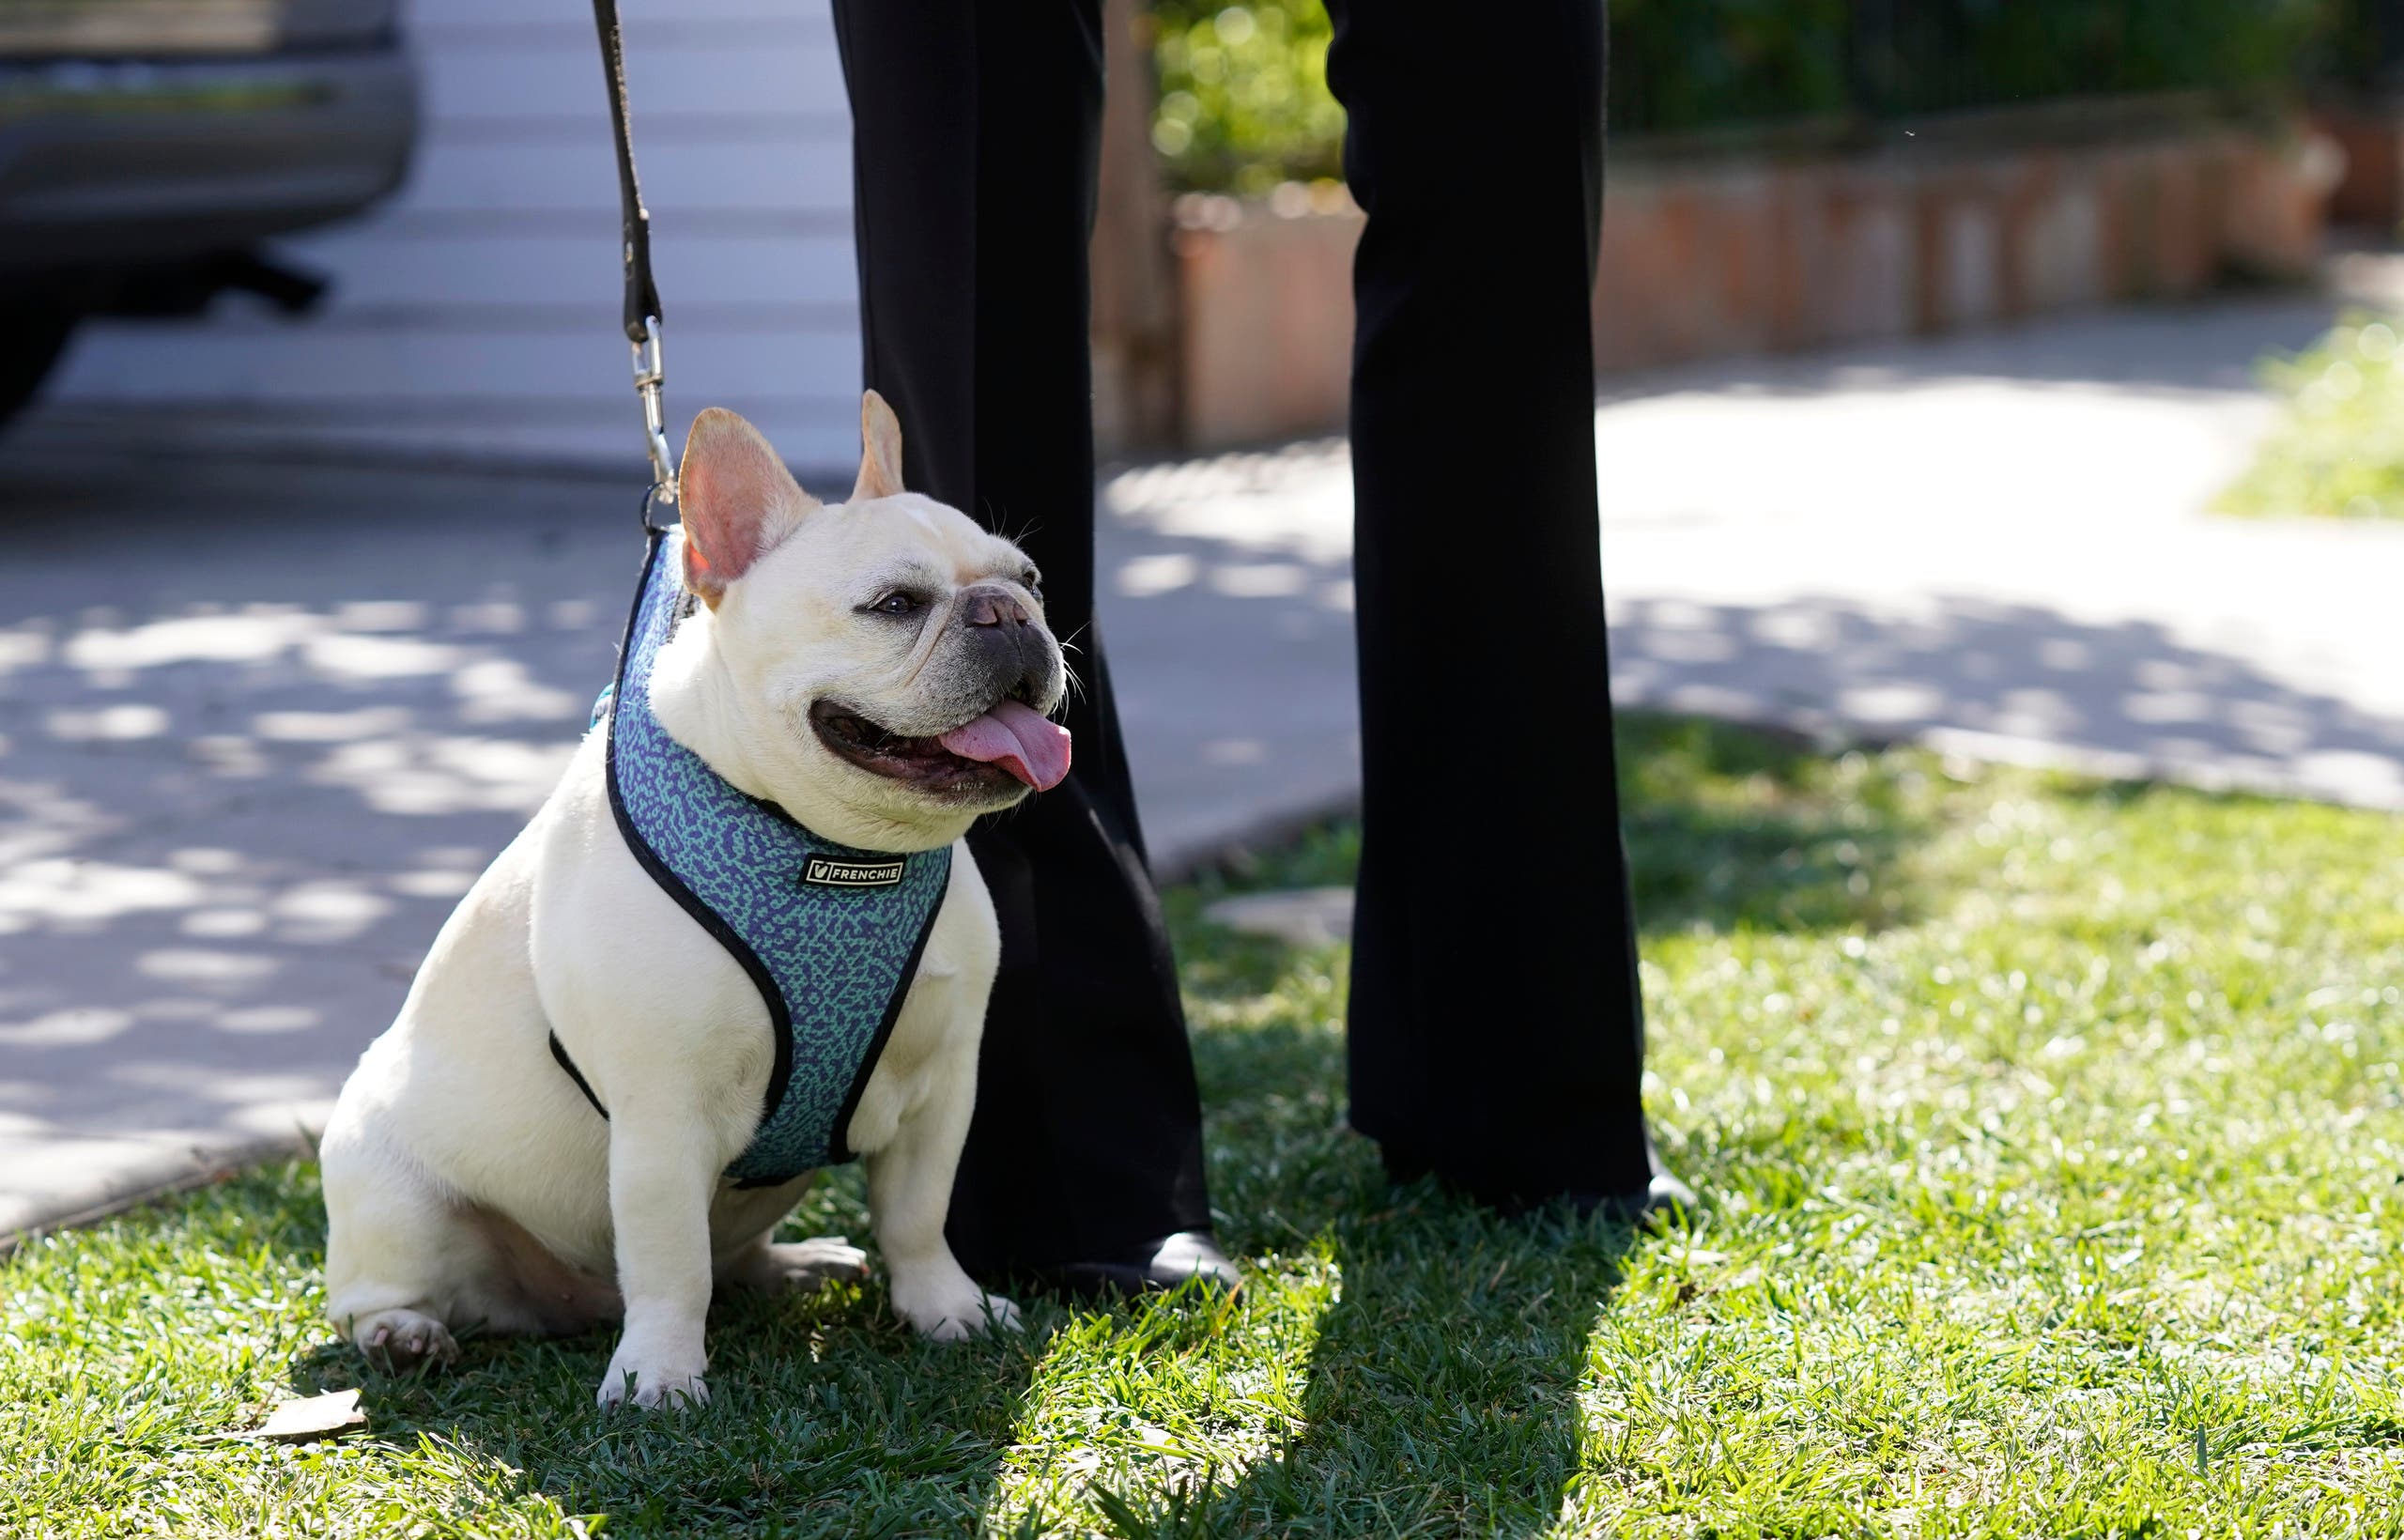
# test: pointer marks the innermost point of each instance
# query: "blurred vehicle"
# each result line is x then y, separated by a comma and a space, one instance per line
147, 147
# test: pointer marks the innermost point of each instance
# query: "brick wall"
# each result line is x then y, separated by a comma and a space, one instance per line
1724, 257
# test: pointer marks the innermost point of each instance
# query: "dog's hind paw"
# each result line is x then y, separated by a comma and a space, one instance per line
803, 1265
395, 1340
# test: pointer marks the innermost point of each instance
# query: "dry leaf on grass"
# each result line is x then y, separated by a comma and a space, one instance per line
314, 1417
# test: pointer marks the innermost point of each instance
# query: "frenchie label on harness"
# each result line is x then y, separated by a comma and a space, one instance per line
828, 872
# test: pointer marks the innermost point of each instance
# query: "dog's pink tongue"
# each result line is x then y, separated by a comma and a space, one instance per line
1018, 738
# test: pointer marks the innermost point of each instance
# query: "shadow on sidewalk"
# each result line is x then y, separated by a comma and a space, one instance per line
2130, 700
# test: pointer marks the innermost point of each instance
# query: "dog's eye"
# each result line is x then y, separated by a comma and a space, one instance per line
1032, 581
898, 602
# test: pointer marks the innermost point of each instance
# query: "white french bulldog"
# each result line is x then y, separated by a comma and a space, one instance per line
843, 665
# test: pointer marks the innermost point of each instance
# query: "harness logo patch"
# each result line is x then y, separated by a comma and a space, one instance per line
831, 871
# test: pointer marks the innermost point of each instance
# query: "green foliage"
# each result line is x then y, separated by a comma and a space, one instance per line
1692, 63
2049, 1130
2338, 448
1244, 102
1974, 52
2360, 44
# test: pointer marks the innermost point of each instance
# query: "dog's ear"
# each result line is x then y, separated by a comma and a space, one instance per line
880, 450
738, 499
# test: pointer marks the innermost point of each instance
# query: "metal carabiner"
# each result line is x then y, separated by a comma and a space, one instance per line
650, 375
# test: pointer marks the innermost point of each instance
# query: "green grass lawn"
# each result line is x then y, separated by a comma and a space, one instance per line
2051, 1136
2337, 448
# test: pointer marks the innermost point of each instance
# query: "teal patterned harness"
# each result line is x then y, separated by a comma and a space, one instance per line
830, 934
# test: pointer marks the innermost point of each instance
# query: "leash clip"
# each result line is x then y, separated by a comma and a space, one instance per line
651, 373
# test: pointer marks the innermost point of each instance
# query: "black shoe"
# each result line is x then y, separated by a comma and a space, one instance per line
1658, 1198
1184, 1258
1664, 1197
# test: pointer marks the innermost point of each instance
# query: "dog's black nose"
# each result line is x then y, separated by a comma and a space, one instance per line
993, 607
1014, 651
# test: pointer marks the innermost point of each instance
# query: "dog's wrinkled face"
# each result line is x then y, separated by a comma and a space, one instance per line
897, 650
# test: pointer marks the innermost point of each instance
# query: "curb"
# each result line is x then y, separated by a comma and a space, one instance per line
195, 1167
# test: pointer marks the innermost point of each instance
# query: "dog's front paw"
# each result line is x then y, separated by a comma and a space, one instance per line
954, 1315
642, 1380
1001, 1314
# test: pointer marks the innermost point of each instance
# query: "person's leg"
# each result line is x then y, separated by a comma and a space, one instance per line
974, 150
1496, 1025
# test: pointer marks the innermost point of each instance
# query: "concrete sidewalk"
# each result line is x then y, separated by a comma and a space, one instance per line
260, 725
1997, 543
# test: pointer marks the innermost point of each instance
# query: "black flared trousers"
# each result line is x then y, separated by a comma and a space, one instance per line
1496, 1030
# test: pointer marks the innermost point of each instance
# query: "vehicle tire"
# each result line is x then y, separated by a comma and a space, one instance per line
31, 338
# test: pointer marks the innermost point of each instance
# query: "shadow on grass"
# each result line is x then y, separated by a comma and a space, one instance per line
1443, 1391
1442, 1384
828, 1417
1733, 829
1728, 828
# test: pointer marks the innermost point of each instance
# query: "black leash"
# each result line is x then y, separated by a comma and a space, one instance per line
642, 318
